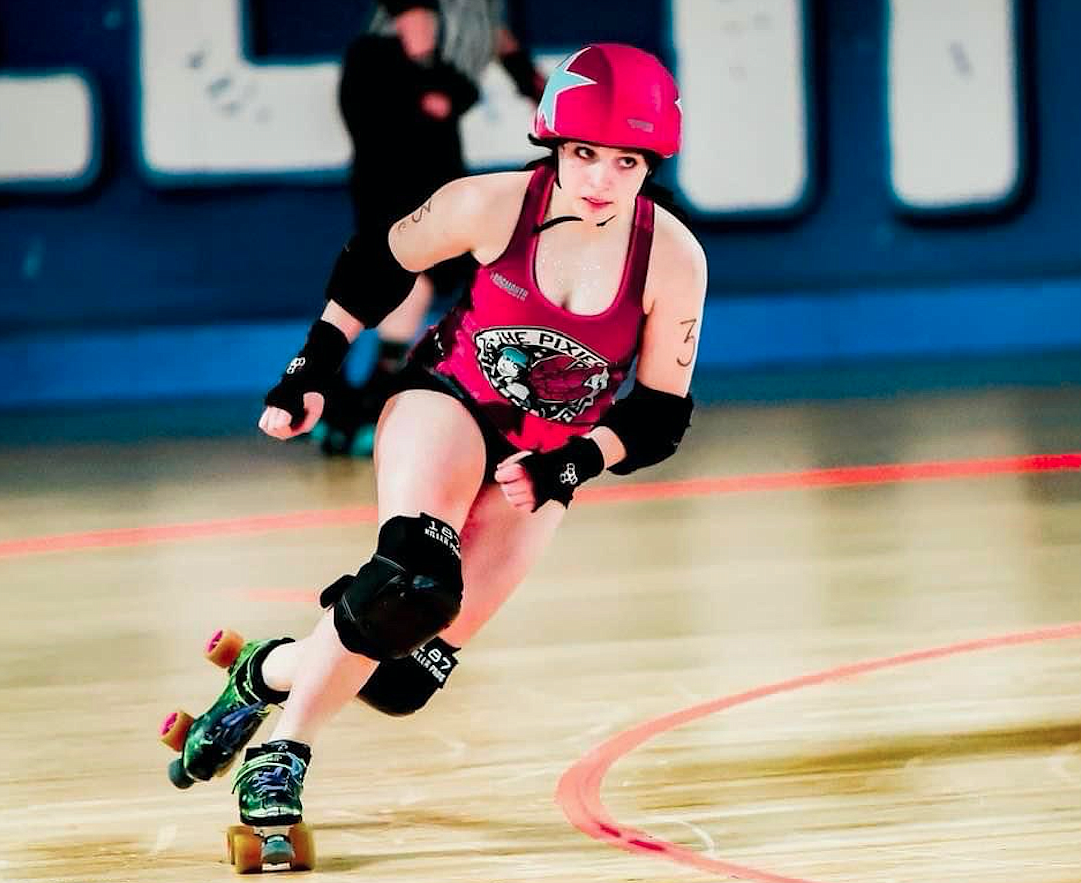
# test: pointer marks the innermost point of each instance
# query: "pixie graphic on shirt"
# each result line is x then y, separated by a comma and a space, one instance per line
542, 371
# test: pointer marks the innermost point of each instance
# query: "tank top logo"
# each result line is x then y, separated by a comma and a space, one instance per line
542, 371
511, 288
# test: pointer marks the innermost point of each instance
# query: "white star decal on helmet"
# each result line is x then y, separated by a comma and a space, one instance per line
559, 82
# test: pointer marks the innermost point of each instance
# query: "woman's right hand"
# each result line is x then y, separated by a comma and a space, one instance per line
278, 423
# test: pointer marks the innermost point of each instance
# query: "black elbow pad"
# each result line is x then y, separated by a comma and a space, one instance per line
650, 423
367, 280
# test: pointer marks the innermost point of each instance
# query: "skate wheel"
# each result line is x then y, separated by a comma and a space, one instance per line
303, 848
174, 729
245, 851
178, 775
224, 647
229, 832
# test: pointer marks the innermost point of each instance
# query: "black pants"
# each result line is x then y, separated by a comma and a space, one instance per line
401, 156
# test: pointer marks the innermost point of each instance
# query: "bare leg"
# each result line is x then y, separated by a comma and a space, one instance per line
326, 678
402, 325
500, 544
280, 666
429, 458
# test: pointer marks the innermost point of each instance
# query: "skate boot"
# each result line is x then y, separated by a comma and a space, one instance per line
268, 787
209, 744
347, 427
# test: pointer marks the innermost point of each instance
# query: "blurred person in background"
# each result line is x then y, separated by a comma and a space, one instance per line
405, 86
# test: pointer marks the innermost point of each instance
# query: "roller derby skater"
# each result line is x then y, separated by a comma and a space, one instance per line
501, 413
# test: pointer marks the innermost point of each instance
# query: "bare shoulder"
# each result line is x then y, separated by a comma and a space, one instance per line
495, 203
473, 214
479, 192
501, 185
677, 262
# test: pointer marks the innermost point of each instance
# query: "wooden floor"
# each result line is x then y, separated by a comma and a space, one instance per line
962, 768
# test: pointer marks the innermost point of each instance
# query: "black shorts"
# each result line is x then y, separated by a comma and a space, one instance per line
415, 375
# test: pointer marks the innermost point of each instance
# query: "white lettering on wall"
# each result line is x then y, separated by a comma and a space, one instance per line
208, 111
953, 102
741, 67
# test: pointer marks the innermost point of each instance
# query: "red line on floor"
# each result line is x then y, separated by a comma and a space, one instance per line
578, 793
844, 476
141, 536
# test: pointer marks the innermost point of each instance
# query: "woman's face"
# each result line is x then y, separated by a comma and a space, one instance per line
601, 181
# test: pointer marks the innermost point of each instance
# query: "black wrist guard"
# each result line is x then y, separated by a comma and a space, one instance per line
367, 280
311, 370
557, 474
519, 66
650, 423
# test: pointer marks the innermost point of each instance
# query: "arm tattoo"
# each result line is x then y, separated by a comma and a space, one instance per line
691, 339
416, 217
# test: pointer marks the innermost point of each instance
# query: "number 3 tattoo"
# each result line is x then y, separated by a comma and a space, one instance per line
691, 339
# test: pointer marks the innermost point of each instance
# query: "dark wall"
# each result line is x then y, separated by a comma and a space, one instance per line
124, 254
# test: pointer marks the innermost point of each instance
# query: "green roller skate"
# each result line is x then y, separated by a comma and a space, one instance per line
209, 743
268, 786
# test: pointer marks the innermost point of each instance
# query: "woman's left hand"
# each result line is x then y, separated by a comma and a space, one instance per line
553, 475
515, 482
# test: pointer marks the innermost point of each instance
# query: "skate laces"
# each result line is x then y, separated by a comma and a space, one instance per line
270, 773
237, 723
269, 781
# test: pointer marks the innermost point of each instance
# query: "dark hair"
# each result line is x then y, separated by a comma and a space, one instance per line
660, 194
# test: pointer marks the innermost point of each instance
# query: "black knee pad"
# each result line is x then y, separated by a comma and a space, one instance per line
402, 686
408, 593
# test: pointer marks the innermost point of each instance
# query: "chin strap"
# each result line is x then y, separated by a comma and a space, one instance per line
551, 222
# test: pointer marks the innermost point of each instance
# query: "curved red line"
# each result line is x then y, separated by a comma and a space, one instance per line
845, 476
578, 793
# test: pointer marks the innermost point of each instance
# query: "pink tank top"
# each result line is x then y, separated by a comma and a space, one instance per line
540, 373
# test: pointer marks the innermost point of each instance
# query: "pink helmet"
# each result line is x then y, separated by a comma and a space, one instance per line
612, 94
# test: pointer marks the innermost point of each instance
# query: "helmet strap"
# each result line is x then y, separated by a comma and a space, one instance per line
551, 222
